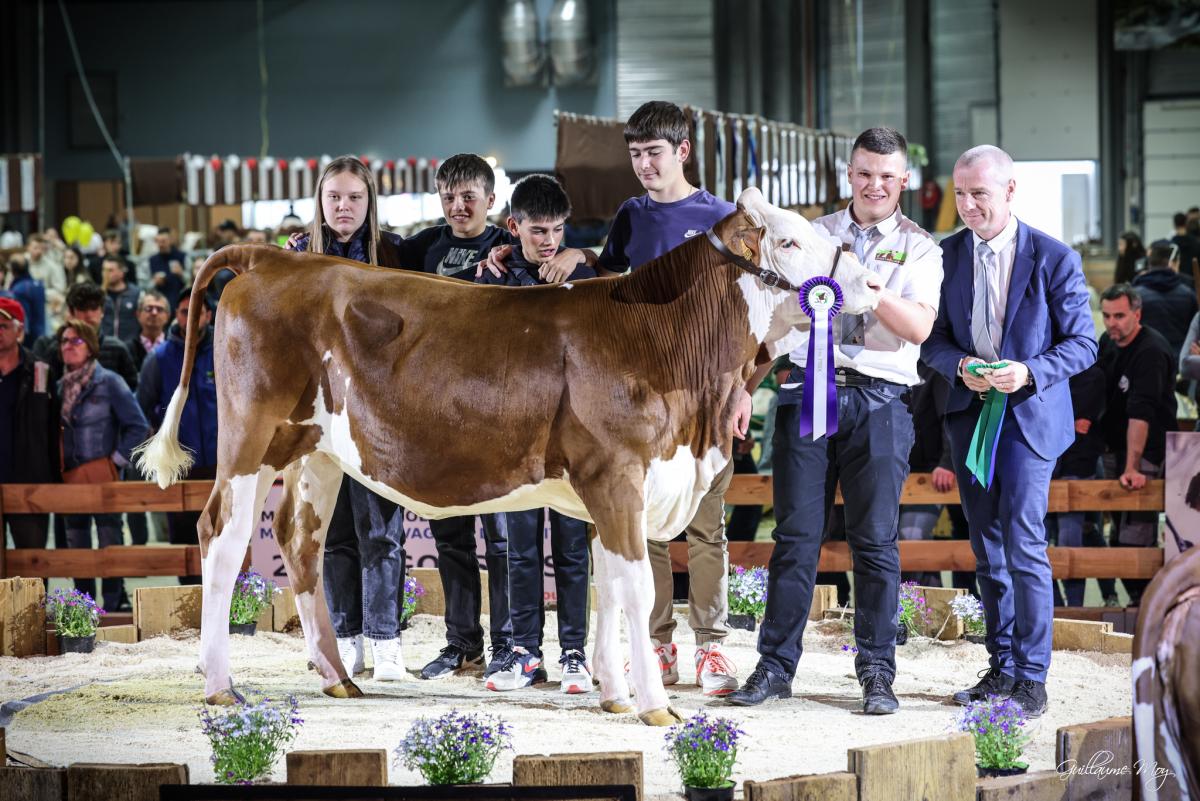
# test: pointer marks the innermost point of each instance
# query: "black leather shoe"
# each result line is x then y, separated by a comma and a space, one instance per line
1030, 695
450, 659
761, 685
991, 682
878, 698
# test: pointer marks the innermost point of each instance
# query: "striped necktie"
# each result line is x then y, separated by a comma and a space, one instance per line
983, 320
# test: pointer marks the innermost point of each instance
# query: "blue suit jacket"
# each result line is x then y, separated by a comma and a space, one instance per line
1047, 326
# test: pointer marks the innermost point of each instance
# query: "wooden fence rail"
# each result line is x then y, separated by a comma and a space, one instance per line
181, 560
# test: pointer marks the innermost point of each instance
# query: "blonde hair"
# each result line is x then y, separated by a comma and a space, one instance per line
317, 235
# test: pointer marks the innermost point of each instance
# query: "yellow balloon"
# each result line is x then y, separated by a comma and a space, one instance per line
70, 229
86, 231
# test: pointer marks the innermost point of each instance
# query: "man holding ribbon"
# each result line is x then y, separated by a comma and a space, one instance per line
843, 418
1014, 327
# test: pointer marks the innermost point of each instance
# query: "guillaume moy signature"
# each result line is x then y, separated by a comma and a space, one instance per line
1100, 765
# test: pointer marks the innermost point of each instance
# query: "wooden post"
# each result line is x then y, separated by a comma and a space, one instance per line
160, 610
1044, 785
126, 634
1110, 743
1080, 635
1114, 643
934, 767
937, 601
824, 597
95, 782
284, 616
566, 770
33, 784
818, 787
22, 617
351, 768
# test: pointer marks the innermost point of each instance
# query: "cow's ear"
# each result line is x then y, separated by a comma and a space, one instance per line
747, 243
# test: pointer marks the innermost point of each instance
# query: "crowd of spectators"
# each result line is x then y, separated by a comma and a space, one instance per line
105, 329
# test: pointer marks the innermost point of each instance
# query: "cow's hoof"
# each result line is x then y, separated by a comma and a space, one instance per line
229, 697
616, 706
343, 689
660, 717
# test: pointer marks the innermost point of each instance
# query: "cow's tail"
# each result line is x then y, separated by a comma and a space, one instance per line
161, 458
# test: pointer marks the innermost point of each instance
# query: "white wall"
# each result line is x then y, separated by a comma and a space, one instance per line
1049, 80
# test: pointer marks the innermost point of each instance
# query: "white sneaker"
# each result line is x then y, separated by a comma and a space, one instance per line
668, 661
350, 649
576, 674
389, 661
715, 674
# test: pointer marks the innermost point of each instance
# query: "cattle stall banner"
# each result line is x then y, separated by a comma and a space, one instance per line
1181, 493
419, 548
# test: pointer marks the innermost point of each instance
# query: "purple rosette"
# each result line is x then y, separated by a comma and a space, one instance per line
821, 300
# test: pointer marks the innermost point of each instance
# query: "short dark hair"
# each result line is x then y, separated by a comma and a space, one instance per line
112, 233
85, 297
465, 168
114, 258
539, 197
1118, 291
1194, 210
186, 294
1180, 219
162, 229
657, 119
883, 141
1159, 254
228, 225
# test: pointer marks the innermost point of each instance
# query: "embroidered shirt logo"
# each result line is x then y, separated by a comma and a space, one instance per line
689, 233
1123, 384
894, 256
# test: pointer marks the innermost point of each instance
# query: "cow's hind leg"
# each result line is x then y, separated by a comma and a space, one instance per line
232, 515
309, 495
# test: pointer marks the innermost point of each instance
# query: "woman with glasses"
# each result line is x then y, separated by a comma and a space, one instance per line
101, 424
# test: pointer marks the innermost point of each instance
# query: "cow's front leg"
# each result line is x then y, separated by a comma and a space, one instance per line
310, 489
243, 496
606, 654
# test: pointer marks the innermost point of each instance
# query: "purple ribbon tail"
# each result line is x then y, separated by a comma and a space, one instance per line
810, 379
831, 410
806, 396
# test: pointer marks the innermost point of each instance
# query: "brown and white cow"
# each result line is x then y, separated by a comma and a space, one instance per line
1166, 683
608, 400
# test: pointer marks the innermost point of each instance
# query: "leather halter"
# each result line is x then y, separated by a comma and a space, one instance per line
769, 278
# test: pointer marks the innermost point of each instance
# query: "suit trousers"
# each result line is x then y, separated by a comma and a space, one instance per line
1008, 536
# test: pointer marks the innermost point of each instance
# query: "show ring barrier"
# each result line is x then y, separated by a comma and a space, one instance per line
915, 555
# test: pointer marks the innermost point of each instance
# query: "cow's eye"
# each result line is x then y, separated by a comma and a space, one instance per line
787, 243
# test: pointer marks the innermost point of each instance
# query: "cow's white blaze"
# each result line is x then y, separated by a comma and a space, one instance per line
673, 488
1143, 721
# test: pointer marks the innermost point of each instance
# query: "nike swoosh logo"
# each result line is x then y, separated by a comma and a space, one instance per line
691, 232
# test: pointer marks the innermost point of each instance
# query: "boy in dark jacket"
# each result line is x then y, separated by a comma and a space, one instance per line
1168, 300
538, 211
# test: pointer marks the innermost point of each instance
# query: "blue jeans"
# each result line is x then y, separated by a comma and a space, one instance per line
364, 564
458, 567
526, 565
869, 455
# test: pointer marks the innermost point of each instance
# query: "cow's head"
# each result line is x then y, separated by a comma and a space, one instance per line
786, 243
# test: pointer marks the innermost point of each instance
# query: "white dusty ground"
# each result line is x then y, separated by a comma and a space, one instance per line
138, 703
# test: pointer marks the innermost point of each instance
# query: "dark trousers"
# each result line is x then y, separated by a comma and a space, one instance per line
364, 564
526, 566
1008, 536
181, 526
138, 532
108, 532
869, 455
458, 567
28, 531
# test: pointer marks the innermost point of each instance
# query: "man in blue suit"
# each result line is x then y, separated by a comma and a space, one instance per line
1014, 295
